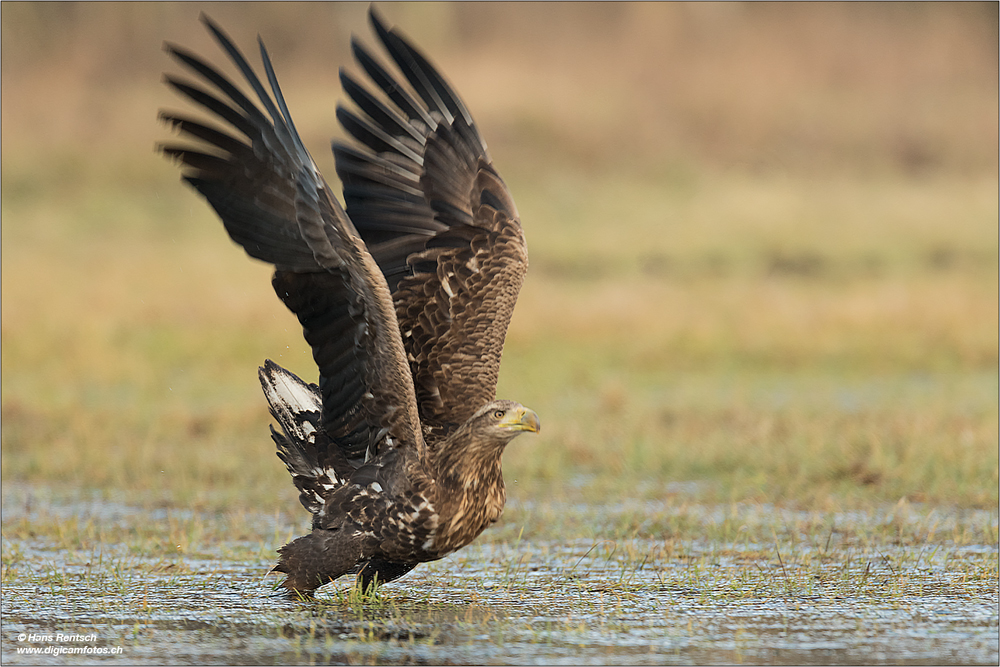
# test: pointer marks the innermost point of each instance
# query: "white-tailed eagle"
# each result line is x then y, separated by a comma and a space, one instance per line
404, 298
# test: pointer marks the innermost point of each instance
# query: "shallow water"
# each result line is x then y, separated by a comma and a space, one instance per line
577, 601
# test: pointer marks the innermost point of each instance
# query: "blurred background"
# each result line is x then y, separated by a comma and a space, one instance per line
763, 246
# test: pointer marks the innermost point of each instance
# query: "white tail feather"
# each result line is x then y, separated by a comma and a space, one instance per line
293, 402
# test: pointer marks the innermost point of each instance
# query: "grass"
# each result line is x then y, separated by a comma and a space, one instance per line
749, 568
835, 384
554, 576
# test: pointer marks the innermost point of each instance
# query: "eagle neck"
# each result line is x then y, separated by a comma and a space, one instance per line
471, 487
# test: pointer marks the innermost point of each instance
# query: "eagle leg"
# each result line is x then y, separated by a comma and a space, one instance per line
378, 571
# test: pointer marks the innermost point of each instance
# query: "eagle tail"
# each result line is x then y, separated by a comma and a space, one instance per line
302, 445
318, 558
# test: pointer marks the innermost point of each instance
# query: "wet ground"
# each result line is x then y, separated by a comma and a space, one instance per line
839, 599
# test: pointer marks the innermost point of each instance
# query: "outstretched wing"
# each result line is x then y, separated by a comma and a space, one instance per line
421, 189
262, 182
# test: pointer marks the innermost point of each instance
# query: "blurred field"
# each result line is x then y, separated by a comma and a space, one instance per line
763, 248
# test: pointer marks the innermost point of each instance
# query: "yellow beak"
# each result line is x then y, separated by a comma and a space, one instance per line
524, 420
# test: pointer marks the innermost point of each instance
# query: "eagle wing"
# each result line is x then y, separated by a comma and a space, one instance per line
262, 182
421, 189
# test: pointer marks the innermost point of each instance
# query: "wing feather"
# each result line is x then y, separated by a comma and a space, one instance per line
439, 221
274, 203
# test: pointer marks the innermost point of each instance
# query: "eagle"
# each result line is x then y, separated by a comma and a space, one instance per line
404, 295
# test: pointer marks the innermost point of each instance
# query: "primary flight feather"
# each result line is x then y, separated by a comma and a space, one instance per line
404, 298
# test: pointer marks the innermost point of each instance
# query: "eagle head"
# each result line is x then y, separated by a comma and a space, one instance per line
501, 421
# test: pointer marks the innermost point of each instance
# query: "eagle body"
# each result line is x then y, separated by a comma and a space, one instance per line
404, 296
407, 506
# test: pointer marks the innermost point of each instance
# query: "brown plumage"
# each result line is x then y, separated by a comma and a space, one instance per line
405, 299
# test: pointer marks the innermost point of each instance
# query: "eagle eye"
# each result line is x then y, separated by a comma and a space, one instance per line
498, 414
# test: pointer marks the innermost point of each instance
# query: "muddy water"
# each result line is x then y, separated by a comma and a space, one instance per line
577, 601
